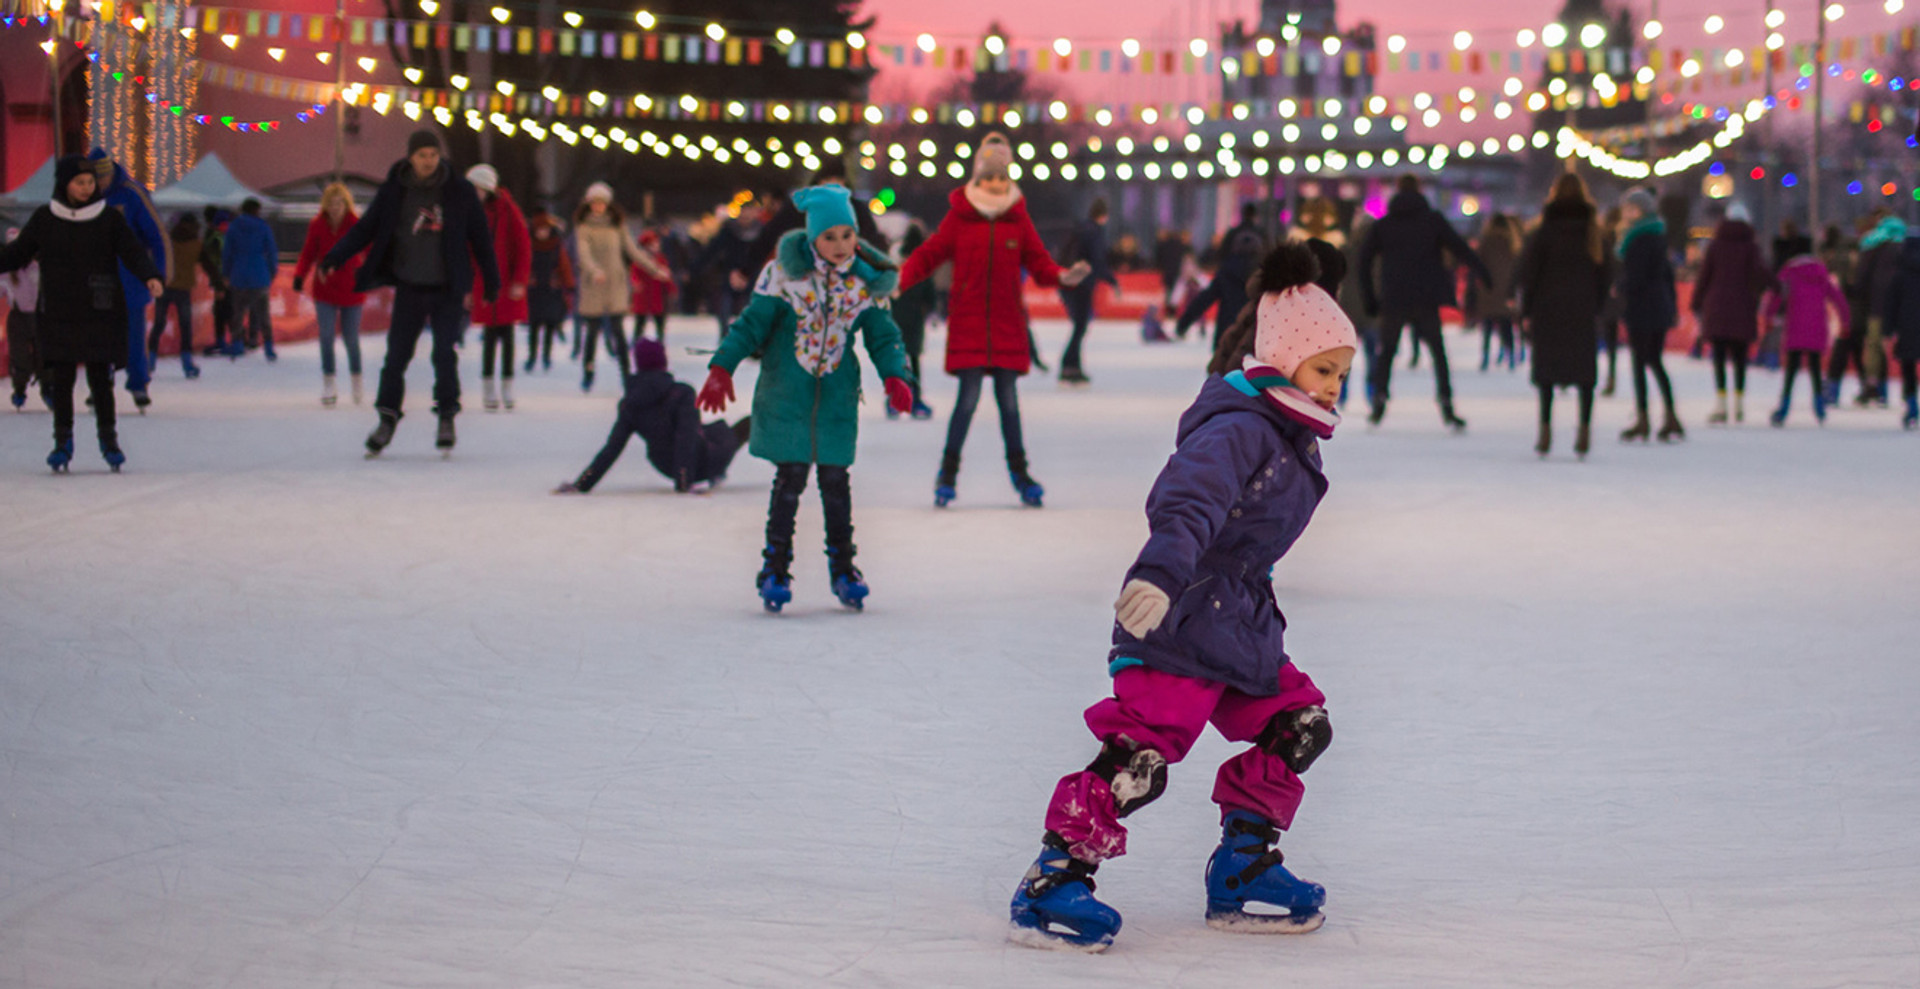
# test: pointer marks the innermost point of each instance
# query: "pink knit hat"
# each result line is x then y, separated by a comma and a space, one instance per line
1295, 318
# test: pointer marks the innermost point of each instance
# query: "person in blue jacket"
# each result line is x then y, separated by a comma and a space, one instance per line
250, 257
126, 194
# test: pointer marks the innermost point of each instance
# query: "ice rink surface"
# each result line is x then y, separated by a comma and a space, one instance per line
275, 716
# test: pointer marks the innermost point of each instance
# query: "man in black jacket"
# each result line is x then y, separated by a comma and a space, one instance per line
424, 232
1412, 243
1088, 243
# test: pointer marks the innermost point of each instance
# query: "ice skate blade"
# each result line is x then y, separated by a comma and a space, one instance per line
1238, 921
1045, 940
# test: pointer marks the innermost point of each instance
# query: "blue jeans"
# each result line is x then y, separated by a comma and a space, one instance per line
347, 320
1004, 395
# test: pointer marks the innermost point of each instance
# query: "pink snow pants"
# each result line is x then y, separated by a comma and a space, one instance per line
1166, 712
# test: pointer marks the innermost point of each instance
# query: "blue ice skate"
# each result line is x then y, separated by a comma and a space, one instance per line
114, 458
19, 401
1030, 490
1912, 419
946, 481
775, 591
848, 585
1055, 907
61, 456
1246, 869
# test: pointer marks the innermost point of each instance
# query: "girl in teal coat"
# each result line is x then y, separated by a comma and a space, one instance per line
822, 288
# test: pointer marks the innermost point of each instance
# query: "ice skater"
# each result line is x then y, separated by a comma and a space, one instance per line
82, 245
822, 288
990, 239
21, 290
1808, 297
1198, 638
426, 234
661, 412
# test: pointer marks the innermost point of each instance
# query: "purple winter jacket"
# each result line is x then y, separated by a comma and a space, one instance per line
1237, 492
1808, 294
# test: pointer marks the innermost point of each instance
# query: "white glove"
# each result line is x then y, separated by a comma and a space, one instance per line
1141, 608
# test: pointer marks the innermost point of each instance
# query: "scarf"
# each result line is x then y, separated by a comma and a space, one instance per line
1259, 379
1646, 225
991, 206
80, 215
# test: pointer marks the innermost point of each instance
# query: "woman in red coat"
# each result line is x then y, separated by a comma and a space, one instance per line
513, 249
650, 291
991, 241
335, 302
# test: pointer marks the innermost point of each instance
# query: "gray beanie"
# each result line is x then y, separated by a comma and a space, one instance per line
1643, 201
994, 158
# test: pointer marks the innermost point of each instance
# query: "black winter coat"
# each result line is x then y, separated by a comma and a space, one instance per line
1411, 243
1562, 292
465, 238
1649, 305
83, 308
1900, 308
661, 412
1732, 279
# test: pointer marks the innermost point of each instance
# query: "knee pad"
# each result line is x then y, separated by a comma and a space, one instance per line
1297, 737
1136, 776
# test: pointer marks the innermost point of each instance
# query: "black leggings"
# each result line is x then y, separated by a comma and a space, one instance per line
836, 501
540, 336
1795, 358
1909, 380
59, 378
496, 339
1586, 403
1730, 350
1502, 327
614, 328
1004, 395
1649, 352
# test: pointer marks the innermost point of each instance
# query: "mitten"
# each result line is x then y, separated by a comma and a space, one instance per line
1141, 608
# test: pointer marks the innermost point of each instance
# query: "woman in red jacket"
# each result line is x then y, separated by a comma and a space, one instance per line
513, 249
990, 240
334, 301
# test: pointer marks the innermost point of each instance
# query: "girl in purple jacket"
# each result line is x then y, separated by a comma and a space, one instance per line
1199, 639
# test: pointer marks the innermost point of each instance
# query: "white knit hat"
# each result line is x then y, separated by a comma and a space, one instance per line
484, 177
600, 191
994, 157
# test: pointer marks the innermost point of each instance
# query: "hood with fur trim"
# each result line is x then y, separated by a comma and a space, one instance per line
795, 255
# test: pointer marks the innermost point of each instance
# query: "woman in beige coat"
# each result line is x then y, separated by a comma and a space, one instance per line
604, 249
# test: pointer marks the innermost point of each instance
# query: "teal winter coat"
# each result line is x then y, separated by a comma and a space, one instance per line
801, 323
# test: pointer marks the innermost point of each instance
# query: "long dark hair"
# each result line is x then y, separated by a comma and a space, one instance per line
186, 228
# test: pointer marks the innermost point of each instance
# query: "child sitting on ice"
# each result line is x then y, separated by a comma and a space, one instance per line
660, 411
822, 287
1198, 638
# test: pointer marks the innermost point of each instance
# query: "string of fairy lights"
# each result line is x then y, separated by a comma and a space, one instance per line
623, 124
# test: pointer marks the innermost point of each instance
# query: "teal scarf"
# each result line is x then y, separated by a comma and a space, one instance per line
1647, 225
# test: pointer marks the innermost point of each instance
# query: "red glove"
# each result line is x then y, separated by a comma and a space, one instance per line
717, 392
899, 395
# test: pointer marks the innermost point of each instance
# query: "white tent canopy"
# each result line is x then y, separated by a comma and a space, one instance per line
38, 187
208, 183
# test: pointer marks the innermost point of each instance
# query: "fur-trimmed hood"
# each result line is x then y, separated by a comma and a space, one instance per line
796, 257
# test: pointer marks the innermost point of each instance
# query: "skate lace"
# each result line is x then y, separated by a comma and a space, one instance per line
1264, 835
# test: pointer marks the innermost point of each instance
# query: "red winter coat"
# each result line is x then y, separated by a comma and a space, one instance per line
513, 249
986, 319
650, 293
337, 289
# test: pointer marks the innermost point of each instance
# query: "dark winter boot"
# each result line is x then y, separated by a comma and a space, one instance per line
383, 433
1544, 444
1451, 421
1638, 431
1583, 440
1054, 906
443, 438
1247, 869
1912, 418
743, 430
1670, 429
944, 482
1030, 490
